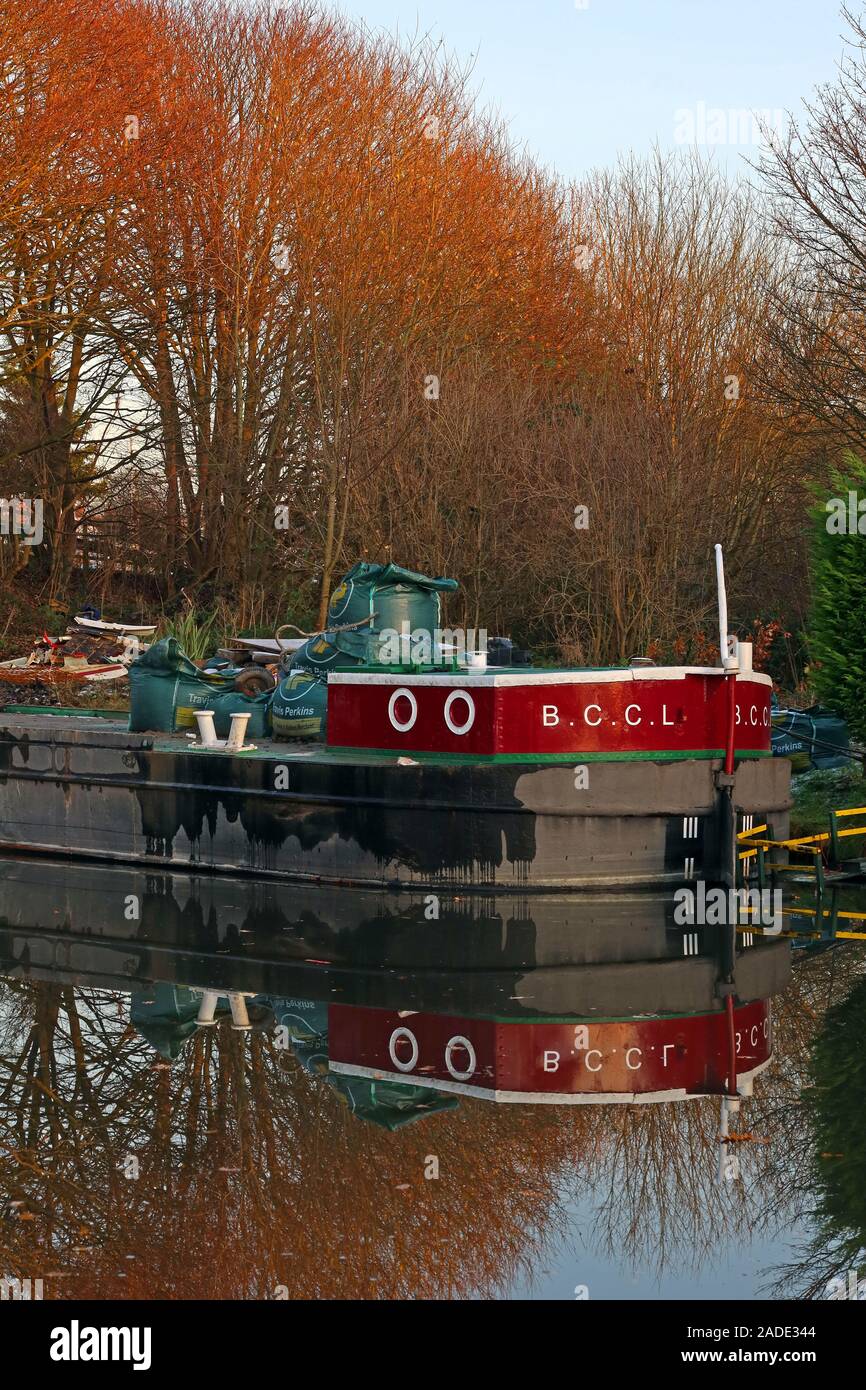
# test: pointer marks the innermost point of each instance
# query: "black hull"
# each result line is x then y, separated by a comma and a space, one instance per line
87, 788
587, 955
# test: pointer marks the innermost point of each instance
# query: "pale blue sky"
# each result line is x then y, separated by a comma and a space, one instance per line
578, 86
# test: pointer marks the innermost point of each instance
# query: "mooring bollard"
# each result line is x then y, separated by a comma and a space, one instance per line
206, 730
207, 1008
237, 733
238, 1005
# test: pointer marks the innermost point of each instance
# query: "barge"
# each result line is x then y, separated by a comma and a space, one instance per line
516, 781
515, 954
538, 780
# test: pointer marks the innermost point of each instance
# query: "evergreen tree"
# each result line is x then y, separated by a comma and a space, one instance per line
838, 621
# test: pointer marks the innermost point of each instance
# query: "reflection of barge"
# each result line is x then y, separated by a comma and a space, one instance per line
531, 955
513, 781
568, 1062
619, 1017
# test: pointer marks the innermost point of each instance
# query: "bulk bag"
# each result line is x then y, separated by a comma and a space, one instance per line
811, 738
299, 706
395, 595
166, 689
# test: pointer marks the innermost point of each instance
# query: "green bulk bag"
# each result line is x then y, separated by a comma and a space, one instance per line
258, 707
166, 689
811, 738
299, 706
165, 1015
329, 650
394, 594
388, 1104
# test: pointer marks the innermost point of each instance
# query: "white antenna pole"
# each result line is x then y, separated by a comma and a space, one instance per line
727, 648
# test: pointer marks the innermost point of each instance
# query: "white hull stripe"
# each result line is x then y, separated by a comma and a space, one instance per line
536, 1097
508, 678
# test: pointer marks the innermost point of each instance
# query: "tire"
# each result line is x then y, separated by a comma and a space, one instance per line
255, 680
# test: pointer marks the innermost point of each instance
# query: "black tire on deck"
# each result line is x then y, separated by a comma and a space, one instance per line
255, 680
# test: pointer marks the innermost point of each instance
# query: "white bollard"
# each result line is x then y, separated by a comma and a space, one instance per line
237, 733
240, 1017
207, 1008
206, 730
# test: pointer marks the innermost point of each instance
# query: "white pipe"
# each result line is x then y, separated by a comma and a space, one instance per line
206, 730
723, 604
237, 733
727, 649
730, 1106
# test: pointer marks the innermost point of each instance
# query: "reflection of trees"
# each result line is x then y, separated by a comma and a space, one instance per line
793, 1172
254, 1175
839, 1119
658, 1195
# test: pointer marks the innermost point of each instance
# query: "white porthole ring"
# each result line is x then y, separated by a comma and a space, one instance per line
470, 719
397, 1036
473, 1061
400, 694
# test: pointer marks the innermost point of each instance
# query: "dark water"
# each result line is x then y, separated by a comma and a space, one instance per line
267, 1155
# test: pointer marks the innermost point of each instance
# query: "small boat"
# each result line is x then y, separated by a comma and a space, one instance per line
23, 671
96, 626
67, 659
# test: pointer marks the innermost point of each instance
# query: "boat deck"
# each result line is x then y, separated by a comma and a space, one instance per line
109, 729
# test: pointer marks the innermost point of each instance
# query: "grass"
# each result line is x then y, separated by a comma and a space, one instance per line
198, 634
101, 695
817, 793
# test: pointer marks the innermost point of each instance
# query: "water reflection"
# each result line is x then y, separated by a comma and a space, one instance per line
217, 1089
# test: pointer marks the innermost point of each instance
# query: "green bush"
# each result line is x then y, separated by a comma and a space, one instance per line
838, 622
196, 632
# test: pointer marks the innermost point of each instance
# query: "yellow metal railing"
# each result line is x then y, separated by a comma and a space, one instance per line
814, 845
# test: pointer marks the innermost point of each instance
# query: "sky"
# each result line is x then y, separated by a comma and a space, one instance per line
580, 82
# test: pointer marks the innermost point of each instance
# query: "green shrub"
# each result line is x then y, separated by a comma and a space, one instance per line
196, 632
838, 622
